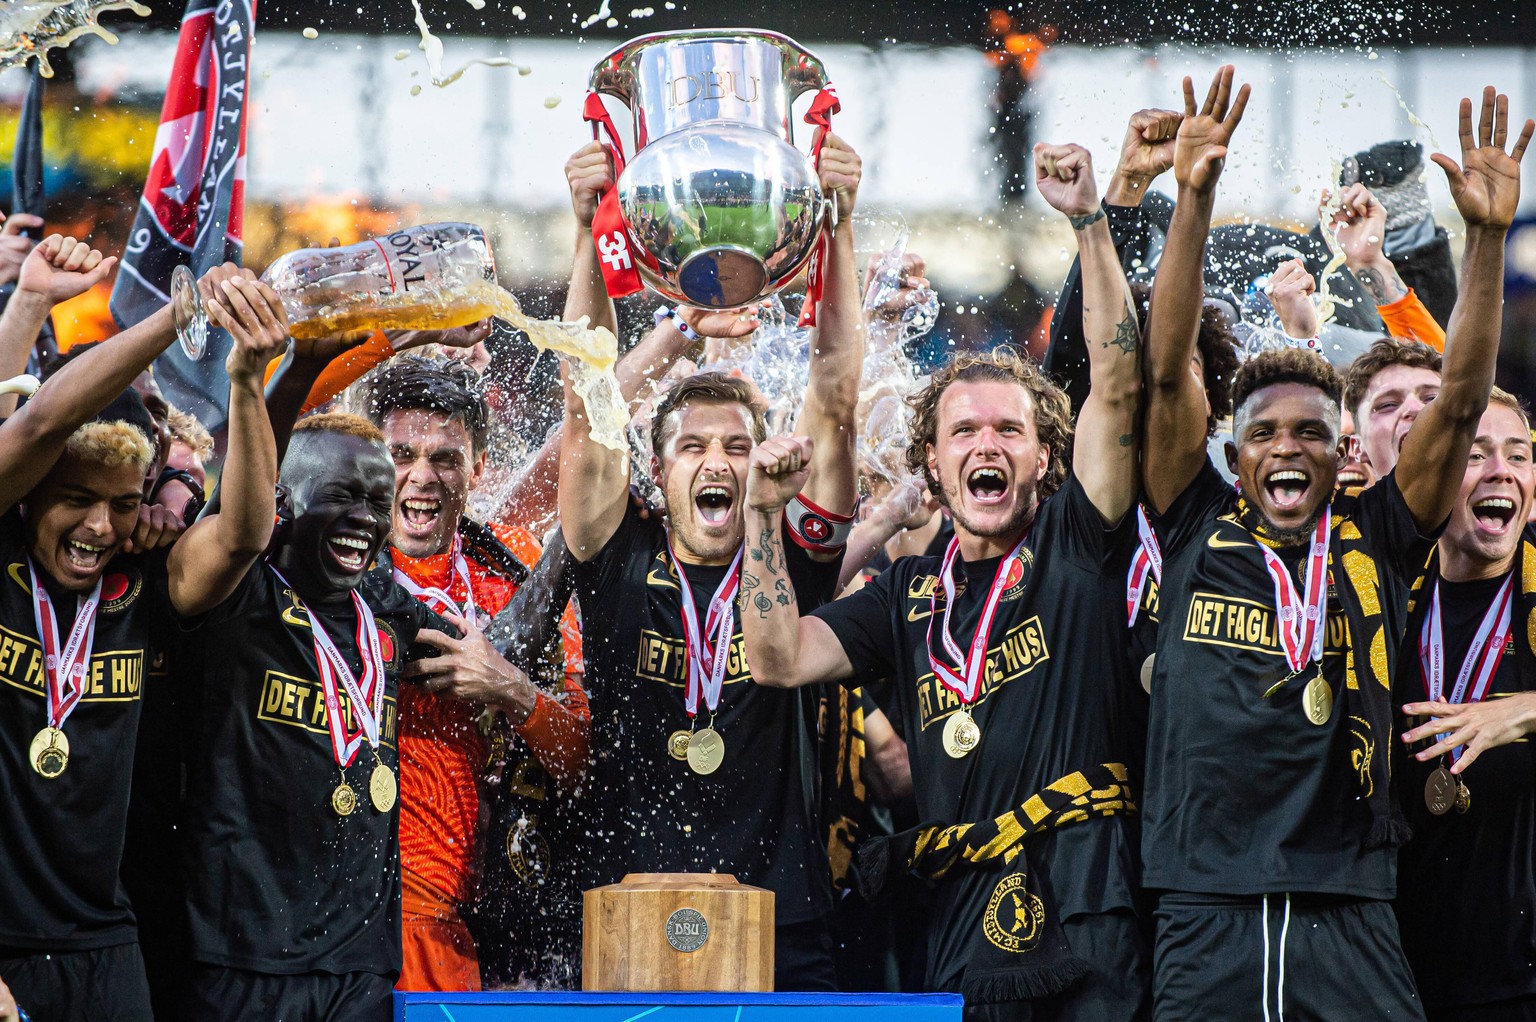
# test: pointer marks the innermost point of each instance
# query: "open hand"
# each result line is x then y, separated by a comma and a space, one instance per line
252, 313
471, 670
723, 322
778, 470
1201, 145
1064, 177
1479, 726
60, 268
1486, 186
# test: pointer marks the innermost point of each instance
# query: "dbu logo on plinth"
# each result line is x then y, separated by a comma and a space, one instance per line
721, 206
677, 931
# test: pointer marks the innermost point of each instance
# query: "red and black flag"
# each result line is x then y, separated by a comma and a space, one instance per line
194, 196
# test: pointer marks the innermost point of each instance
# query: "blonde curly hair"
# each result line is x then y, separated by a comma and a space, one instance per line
1053, 411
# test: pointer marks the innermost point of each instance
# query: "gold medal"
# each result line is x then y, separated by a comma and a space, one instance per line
1463, 797
344, 799
1317, 701
50, 752
706, 751
381, 788
1146, 672
961, 733
1439, 791
677, 745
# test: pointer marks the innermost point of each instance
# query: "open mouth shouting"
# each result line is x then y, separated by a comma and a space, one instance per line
1353, 474
714, 501
419, 515
1495, 515
1287, 489
349, 552
84, 557
987, 485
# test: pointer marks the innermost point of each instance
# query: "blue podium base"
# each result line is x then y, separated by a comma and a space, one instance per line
559, 1006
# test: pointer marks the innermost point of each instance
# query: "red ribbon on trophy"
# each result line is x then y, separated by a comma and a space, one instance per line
820, 114
615, 252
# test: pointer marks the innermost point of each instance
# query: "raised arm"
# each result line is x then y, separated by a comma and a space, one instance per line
31, 440
784, 649
1360, 224
1105, 449
209, 561
1486, 189
589, 173
1176, 408
57, 270
837, 348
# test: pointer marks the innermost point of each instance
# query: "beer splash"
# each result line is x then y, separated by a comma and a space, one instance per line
590, 353
30, 28
432, 46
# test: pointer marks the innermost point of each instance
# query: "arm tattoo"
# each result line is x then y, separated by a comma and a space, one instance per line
766, 541
749, 582
1383, 289
1127, 439
786, 597
763, 603
1127, 338
1087, 219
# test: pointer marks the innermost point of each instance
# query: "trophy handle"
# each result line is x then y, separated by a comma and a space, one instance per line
803, 72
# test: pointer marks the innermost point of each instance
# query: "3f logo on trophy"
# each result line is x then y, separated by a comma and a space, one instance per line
616, 252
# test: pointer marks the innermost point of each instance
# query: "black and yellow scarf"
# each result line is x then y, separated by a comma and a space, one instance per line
1002, 966
1366, 697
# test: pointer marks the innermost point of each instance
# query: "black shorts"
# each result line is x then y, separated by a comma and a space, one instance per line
219, 994
1300, 957
106, 985
802, 957
1117, 989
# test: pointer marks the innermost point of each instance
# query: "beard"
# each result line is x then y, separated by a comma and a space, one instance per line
1296, 535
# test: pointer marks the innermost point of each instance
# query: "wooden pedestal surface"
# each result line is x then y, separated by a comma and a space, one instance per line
677, 931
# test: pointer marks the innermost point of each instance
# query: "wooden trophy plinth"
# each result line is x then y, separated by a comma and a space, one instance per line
677, 931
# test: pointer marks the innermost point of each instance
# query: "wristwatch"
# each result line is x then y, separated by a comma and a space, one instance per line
670, 312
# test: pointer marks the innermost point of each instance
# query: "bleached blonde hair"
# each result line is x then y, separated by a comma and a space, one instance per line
112, 444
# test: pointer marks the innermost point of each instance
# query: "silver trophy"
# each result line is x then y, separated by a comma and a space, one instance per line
716, 194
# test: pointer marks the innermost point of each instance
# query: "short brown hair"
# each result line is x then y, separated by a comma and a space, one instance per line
1384, 354
707, 388
340, 422
1053, 411
1283, 365
185, 428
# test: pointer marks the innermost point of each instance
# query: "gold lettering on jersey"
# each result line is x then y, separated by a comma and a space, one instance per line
300, 702
1248, 624
1022, 649
922, 587
664, 659
116, 676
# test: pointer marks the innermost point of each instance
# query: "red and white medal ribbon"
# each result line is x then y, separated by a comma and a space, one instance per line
439, 599
820, 114
1302, 615
1148, 562
1482, 659
366, 696
965, 684
709, 647
64, 669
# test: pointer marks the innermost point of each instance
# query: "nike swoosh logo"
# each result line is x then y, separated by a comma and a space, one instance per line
914, 615
1217, 543
659, 580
